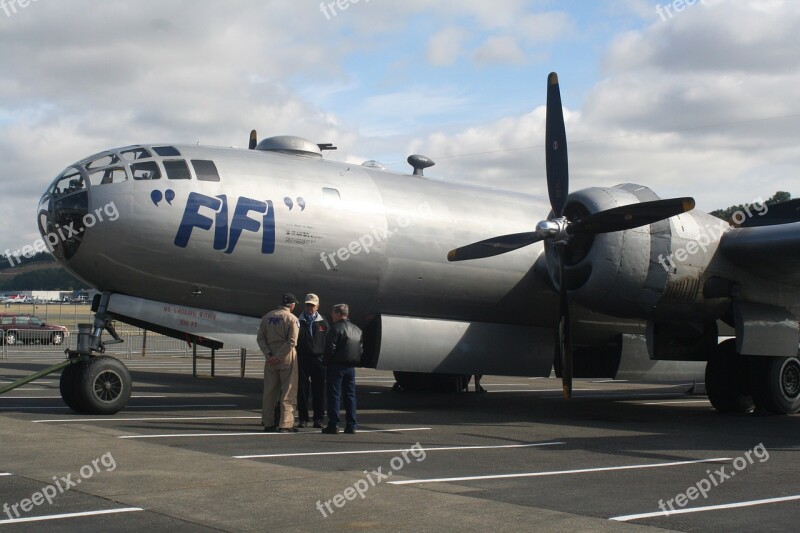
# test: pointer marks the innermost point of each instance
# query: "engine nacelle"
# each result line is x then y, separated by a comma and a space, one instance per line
650, 272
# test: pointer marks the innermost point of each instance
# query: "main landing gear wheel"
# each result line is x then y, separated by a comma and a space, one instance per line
420, 381
776, 384
727, 380
96, 386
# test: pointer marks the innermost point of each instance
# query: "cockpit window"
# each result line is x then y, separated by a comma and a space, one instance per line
166, 151
70, 181
177, 170
146, 170
205, 170
135, 153
108, 175
104, 161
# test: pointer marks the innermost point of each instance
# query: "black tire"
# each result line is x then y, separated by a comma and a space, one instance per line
429, 382
102, 386
57, 338
776, 384
727, 382
67, 386
11, 338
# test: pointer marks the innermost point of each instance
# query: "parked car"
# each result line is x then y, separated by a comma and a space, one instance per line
16, 328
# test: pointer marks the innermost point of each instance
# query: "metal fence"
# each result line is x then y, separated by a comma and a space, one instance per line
136, 343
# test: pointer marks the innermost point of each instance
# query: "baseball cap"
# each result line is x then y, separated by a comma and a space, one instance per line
312, 299
289, 299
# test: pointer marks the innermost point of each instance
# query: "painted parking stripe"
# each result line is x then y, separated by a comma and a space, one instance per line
559, 472
145, 419
69, 515
438, 449
735, 505
257, 434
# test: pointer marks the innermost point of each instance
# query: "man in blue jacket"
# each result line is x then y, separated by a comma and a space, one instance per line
343, 349
310, 347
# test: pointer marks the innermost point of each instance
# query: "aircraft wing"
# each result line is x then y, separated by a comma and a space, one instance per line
768, 250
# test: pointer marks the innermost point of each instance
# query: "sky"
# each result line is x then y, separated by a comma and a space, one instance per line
688, 98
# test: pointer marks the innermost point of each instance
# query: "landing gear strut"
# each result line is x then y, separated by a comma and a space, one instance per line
95, 384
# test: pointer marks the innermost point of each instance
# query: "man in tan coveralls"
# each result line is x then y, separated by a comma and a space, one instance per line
277, 338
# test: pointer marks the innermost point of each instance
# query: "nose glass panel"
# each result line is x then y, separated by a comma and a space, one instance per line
61, 212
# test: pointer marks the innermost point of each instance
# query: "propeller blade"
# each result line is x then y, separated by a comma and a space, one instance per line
253, 139
564, 339
556, 148
493, 246
631, 216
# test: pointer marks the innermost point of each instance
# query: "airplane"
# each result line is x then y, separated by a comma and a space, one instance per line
199, 242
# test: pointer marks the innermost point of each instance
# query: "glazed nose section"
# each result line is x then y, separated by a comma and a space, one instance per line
61, 213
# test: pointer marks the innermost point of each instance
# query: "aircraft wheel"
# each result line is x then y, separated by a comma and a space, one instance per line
776, 384
67, 386
422, 381
726, 380
102, 386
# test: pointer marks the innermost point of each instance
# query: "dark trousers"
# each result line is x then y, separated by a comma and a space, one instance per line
341, 386
312, 379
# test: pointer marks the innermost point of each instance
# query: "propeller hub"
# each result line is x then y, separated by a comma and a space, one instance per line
554, 230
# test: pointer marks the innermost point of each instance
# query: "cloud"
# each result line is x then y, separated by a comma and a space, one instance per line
444, 47
499, 50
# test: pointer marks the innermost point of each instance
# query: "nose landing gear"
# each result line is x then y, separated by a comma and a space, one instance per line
95, 384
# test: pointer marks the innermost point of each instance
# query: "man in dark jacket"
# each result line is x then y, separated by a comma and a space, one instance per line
343, 349
310, 347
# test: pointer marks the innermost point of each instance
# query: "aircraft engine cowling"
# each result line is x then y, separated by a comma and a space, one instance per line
628, 273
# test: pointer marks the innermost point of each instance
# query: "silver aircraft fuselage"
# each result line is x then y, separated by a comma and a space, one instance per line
278, 222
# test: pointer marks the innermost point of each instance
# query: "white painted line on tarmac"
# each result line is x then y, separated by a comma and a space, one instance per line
69, 515
145, 419
676, 402
751, 503
559, 472
5, 474
357, 452
257, 434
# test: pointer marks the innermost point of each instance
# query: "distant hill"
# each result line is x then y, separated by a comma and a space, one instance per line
39, 273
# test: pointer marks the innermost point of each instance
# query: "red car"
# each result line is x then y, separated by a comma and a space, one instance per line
27, 329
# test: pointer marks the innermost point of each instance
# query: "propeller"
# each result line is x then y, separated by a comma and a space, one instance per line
253, 140
558, 230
